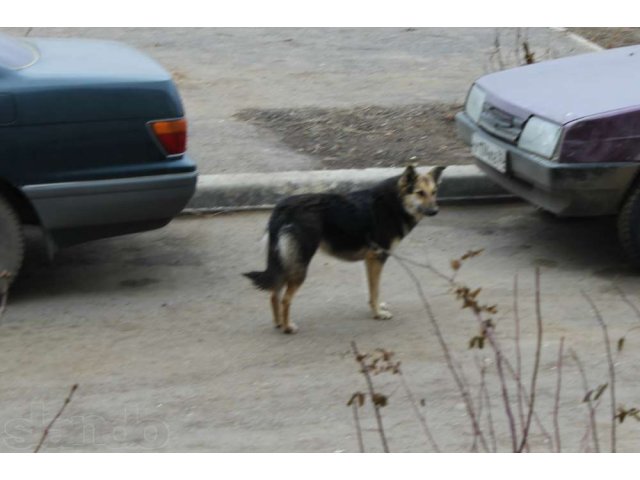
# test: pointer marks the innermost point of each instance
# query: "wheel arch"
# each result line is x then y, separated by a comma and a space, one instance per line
633, 185
23, 207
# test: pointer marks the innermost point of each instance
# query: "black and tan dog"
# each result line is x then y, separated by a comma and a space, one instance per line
361, 225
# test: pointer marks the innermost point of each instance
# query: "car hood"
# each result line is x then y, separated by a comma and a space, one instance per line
569, 88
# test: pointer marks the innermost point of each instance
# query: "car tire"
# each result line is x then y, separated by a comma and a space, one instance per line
11, 241
629, 226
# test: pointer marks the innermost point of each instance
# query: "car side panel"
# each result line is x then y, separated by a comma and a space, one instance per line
612, 137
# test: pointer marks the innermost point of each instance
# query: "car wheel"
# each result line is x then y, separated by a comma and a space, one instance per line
629, 226
11, 241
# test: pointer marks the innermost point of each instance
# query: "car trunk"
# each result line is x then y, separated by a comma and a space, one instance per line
88, 103
90, 80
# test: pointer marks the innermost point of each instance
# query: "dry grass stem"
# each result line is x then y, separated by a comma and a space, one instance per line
612, 370
376, 406
593, 428
556, 406
356, 419
462, 387
536, 364
45, 434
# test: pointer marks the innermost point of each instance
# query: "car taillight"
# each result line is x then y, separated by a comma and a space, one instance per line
172, 135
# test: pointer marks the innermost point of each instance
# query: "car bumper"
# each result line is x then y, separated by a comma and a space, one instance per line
588, 189
75, 212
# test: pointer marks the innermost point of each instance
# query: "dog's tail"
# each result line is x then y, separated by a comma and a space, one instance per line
272, 277
266, 280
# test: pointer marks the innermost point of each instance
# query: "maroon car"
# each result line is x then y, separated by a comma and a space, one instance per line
564, 135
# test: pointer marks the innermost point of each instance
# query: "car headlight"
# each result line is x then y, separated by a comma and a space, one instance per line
540, 137
475, 102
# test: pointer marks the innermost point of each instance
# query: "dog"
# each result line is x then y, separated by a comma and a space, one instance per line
361, 225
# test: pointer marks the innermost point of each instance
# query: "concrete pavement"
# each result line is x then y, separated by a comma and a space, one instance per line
173, 350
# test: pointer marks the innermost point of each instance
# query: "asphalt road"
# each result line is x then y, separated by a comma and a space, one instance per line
174, 351
221, 71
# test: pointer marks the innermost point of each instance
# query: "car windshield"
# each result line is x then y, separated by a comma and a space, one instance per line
15, 53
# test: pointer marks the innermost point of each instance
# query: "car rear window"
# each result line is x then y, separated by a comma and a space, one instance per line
16, 53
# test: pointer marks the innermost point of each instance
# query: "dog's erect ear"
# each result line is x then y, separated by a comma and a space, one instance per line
436, 173
408, 178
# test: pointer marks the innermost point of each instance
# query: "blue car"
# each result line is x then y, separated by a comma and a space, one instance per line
92, 143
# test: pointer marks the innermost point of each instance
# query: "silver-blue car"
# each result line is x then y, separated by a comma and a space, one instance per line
92, 143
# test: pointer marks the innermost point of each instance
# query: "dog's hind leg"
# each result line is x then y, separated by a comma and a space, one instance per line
288, 326
374, 263
275, 307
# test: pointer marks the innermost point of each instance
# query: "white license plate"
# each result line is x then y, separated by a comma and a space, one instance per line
489, 153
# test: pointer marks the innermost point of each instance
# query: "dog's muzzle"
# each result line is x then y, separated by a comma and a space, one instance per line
429, 211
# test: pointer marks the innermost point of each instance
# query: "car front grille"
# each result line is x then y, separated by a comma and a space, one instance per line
500, 123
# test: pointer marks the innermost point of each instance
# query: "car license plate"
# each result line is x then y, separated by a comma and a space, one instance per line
489, 153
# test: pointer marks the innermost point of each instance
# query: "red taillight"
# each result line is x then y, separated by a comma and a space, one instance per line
172, 135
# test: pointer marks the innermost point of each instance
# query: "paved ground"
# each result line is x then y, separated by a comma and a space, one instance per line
174, 351
221, 71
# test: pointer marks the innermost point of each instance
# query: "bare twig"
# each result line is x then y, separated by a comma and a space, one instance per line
588, 401
421, 418
503, 383
517, 47
556, 406
462, 387
516, 316
525, 393
428, 266
484, 396
529, 56
497, 50
522, 390
376, 407
356, 419
515, 373
45, 434
536, 364
612, 370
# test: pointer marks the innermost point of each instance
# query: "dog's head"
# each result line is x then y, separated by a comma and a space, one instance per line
419, 192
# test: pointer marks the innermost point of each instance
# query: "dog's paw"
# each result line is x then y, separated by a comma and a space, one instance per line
291, 329
383, 313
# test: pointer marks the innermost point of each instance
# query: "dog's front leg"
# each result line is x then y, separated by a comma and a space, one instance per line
374, 262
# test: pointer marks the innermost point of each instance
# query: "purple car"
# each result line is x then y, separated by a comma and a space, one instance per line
564, 135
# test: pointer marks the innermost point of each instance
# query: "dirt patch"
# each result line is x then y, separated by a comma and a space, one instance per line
368, 136
377, 136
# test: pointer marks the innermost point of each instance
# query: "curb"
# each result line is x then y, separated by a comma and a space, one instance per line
243, 191
579, 39
247, 191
